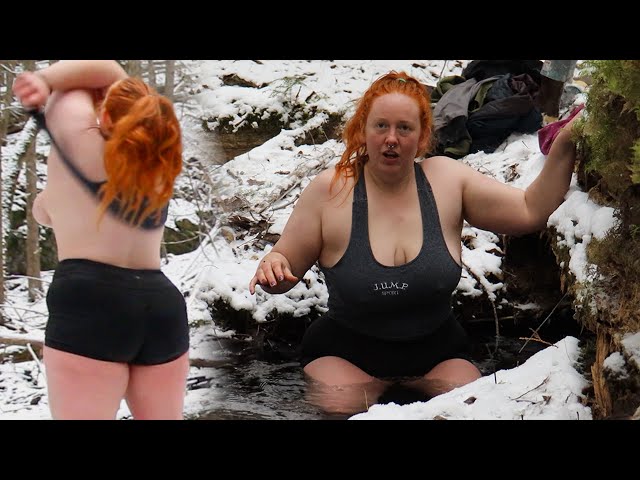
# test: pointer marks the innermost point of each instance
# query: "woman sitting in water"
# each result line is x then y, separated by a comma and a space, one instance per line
386, 232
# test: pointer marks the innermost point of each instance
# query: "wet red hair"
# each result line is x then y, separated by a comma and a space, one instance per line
355, 154
142, 152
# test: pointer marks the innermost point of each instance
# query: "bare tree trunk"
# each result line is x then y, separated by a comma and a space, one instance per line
134, 68
169, 79
5, 79
14, 179
7, 68
33, 230
32, 243
151, 74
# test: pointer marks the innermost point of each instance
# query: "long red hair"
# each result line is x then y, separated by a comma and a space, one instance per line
355, 154
143, 150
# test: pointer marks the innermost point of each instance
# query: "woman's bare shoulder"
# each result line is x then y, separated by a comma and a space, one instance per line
72, 121
444, 165
438, 161
73, 108
447, 173
324, 187
321, 182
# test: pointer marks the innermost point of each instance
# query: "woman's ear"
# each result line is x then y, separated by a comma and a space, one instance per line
105, 119
105, 123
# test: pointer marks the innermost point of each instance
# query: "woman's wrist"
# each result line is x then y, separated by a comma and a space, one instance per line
45, 80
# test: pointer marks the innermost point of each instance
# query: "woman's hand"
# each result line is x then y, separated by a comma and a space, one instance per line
563, 146
31, 89
273, 270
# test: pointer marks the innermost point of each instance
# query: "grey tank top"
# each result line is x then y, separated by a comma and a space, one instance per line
399, 302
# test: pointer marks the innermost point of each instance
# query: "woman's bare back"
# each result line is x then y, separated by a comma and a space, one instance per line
73, 209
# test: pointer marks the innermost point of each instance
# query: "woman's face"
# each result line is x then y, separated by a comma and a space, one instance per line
392, 131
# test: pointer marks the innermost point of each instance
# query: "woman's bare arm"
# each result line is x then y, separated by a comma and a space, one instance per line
495, 206
300, 244
33, 88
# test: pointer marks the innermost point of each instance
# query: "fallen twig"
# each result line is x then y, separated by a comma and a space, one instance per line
535, 332
36, 359
495, 313
536, 338
534, 388
22, 341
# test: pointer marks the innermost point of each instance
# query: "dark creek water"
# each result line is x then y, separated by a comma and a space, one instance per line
252, 388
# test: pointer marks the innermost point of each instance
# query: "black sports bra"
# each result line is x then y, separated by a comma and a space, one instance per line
151, 222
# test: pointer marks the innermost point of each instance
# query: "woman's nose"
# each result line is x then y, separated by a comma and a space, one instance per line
392, 139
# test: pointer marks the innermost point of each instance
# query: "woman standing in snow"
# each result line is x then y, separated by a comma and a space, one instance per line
117, 326
386, 233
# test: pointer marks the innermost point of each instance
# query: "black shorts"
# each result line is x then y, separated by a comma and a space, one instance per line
116, 314
382, 358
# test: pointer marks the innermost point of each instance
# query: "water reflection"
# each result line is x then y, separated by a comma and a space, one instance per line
258, 390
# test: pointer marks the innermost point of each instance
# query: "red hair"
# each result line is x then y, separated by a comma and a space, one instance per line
143, 151
355, 154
